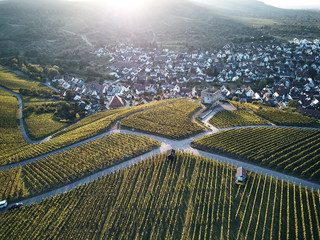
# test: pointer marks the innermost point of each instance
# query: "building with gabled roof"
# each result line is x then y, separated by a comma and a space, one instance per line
117, 101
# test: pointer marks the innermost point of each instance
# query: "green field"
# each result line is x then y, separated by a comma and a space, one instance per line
172, 121
190, 198
65, 167
224, 119
14, 82
292, 150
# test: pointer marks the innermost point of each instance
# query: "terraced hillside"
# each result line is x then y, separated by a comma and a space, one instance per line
190, 198
291, 150
68, 166
172, 121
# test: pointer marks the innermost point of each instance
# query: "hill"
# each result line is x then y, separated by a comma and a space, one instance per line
64, 33
190, 198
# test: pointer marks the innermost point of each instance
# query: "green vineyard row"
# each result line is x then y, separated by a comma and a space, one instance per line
68, 166
292, 150
278, 116
190, 198
225, 119
172, 121
15, 149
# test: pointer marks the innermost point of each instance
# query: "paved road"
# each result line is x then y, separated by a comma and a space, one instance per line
183, 145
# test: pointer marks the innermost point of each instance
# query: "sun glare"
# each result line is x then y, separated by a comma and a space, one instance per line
127, 5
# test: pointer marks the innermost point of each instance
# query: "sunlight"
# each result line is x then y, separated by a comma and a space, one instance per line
127, 5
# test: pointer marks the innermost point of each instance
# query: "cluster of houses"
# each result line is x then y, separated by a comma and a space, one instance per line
141, 74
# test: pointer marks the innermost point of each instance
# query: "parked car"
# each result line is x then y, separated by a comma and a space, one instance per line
16, 205
3, 204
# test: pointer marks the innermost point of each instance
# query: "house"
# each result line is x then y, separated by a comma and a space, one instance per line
210, 96
117, 101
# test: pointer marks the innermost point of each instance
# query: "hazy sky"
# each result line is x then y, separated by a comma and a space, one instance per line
293, 3
277, 3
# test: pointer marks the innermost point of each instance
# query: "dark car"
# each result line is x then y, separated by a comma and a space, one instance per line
16, 205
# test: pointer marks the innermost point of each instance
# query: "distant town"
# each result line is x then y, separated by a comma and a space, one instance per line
271, 72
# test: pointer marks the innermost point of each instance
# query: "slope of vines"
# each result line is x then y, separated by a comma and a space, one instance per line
10, 132
224, 119
292, 150
172, 121
71, 165
88, 127
278, 116
191, 198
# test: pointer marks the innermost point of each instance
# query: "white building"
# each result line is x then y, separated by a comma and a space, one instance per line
210, 96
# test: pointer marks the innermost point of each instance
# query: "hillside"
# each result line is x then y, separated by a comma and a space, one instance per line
190, 198
64, 33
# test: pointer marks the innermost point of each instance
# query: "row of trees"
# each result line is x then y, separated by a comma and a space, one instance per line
34, 71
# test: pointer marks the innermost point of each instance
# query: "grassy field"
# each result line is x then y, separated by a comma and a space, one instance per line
172, 121
190, 198
291, 150
14, 82
65, 167
224, 119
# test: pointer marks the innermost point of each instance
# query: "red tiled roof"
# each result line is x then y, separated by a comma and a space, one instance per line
117, 101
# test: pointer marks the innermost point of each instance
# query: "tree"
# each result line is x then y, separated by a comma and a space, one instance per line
312, 73
209, 72
52, 72
293, 103
69, 95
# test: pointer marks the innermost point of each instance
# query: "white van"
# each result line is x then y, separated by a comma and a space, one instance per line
3, 203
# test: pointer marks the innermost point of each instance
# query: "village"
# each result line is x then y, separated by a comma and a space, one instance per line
271, 72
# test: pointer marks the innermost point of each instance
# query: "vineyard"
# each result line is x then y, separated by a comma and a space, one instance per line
15, 82
10, 132
163, 120
88, 127
292, 150
190, 198
277, 116
281, 117
42, 125
224, 119
68, 166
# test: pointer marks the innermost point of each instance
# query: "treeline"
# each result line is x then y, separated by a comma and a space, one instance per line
34, 71
38, 93
61, 110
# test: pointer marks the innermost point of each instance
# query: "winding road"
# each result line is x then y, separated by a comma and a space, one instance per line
182, 145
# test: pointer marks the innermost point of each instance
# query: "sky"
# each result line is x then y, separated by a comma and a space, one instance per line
296, 4
293, 3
